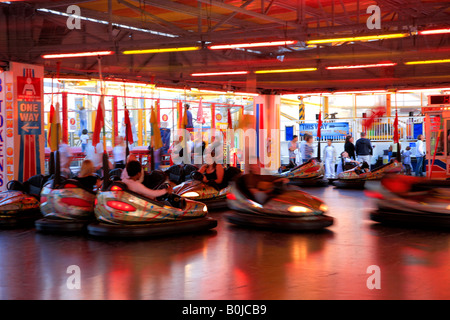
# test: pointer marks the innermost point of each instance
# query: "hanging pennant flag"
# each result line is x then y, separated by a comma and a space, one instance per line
319, 125
396, 137
54, 132
128, 132
99, 122
156, 134
184, 120
200, 118
180, 114
230, 120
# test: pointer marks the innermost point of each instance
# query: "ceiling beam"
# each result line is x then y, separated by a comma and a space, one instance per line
230, 16
192, 11
168, 25
249, 13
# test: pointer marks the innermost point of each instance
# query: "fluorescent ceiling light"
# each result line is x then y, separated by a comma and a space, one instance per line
160, 50
360, 66
428, 61
360, 38
107, 23
224, 73
252, 45
286, 70
77, 54
436, 31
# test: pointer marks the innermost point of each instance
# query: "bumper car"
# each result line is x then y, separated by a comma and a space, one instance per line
19, 204
199, 191
310, 173
275, 205
356, 178
410, 201
122, 213
68, 208
178, 174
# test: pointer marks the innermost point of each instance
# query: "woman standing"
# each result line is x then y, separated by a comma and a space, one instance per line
349, 147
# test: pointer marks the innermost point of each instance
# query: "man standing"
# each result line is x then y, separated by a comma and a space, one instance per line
420, 153
189, 125
363, 149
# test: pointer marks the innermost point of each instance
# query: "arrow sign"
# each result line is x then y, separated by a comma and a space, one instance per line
29, 122
27, 127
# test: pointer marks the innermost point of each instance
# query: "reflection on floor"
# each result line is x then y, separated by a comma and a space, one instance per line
236, 263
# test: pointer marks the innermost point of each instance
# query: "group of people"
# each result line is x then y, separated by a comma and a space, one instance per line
300, 152
353, 154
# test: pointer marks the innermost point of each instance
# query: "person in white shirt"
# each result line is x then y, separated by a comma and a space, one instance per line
329, 154
345, 159
84, 139
124, 174
119, 153
420, 153
65, 156
134, 170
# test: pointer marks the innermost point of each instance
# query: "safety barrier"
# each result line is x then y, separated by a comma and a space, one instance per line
382, 129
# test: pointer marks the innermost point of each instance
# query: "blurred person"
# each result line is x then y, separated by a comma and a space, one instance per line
292, 146
84, 140
406, 160
87, 177
119, 153
308, 149
66, 157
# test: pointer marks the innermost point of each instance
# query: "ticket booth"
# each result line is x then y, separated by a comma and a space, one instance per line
437, 131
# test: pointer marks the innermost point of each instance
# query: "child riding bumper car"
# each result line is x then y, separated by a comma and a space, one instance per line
19, 204
266, 202
126, 214
310, 173
410, 201
356, 178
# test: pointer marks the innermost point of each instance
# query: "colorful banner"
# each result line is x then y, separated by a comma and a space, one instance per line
6, 129
329, 129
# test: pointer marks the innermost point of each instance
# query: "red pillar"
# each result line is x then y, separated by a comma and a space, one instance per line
65, 113
115, 119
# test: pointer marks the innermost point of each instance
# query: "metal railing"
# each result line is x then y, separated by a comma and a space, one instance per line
382, 129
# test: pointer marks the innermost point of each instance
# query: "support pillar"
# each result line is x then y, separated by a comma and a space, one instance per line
22, 139
388, 105
267, 120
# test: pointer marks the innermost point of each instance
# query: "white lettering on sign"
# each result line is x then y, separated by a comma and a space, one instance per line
74, 21
374, 21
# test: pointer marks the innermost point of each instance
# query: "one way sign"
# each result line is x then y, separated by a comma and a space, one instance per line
29, 118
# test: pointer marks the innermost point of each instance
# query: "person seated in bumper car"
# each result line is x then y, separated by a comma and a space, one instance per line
263, 187
346, 163
213, 173
134, 171
362, 168
87, 176
124, 174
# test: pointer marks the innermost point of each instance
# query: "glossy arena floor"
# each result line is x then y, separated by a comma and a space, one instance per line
236, 263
